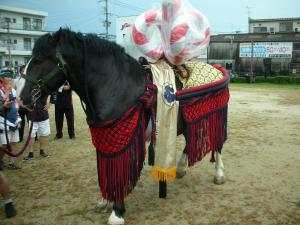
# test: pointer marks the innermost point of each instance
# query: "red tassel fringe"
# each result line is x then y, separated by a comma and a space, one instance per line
206, 118
119, 174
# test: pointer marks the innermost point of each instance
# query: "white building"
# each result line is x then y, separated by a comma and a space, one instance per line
280, 25
19, 29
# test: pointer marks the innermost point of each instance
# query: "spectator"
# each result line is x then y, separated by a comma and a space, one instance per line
9, 106
64, 106
9, 208
41, 126
23, 112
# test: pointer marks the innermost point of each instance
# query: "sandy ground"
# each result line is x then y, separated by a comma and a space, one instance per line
262, 168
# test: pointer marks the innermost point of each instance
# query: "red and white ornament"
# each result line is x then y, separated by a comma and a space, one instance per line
184, 32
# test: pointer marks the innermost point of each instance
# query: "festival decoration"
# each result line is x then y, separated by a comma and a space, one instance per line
183, 32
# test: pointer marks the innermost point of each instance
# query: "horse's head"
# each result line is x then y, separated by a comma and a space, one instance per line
45, 71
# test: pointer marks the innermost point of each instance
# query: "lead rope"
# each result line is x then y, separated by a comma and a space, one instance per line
9, 151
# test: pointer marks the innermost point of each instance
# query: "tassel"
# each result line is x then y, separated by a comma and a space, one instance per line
151, 155
162, 174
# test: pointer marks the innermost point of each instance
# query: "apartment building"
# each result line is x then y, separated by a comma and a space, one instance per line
19, 29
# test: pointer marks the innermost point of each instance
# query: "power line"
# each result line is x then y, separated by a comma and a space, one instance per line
128, 6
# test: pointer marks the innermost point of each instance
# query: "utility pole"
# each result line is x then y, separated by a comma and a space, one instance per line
251, 63
249, 16
106, 19
106, 22
8, 41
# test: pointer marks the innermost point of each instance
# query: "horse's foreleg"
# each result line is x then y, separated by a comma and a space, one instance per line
219, 168
116, 217
104, 206
182, 165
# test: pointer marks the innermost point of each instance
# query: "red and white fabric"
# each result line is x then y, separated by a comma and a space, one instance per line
183, 32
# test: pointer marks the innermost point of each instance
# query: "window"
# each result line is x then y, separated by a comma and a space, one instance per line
296, 46
286, 27
37, 24
27, 44
26, 23
260, 29
7, 20
34, 41
26, 60
8, 41
14, 20
271, 29
15, 41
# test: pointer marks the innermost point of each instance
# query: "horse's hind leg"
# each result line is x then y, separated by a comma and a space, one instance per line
219, 168
116, 217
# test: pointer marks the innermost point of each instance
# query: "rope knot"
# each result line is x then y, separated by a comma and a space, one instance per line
148, 98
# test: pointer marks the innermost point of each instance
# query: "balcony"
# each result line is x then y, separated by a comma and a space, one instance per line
15, 49
23, 32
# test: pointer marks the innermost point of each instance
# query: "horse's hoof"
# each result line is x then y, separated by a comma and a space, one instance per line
115, 220
180, 174
219, 180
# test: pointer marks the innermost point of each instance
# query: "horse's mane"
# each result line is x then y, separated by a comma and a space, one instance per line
70, 43
120, 75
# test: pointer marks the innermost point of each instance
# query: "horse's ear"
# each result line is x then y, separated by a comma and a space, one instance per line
55, 37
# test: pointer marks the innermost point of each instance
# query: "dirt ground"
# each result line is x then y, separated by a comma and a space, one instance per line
262, 169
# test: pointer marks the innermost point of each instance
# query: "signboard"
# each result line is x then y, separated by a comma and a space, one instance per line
266, 49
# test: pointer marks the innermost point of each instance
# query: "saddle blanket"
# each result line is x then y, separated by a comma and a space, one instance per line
200, 73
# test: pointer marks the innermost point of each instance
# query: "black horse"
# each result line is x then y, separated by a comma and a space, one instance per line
106, 79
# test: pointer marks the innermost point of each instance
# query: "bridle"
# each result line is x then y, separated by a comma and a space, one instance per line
41, 84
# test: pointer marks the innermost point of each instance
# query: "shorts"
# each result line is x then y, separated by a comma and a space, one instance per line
41, 128
13, 136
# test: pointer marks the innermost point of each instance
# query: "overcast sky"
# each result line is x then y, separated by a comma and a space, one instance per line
224, 16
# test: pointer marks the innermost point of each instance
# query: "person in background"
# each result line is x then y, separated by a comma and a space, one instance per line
64, 106
9, 208
23, 112
9, 109
5, 104
41, 126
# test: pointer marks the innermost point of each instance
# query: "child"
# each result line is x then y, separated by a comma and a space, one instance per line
41, 126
